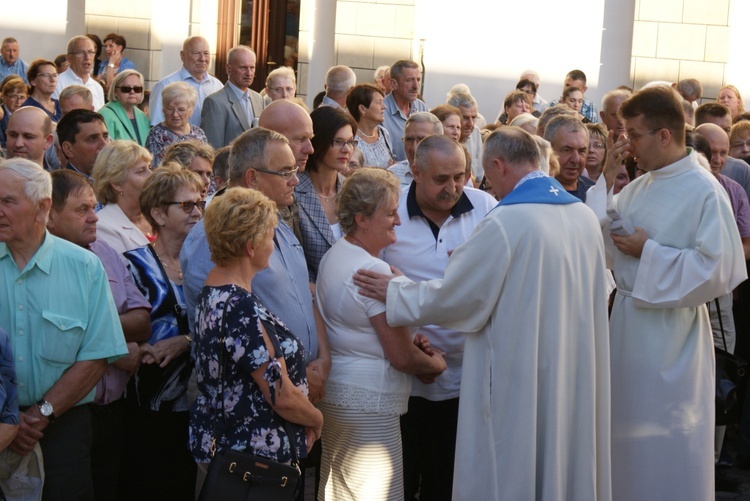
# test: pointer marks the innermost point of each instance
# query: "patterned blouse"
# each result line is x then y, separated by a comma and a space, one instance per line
377, 154
160, 138
157, 388
248, 422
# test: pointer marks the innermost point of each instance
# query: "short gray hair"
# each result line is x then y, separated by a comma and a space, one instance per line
339, 79
181, 92
399, 66
612, 95
523, 119
78, 38
248, 151
37, 182
77, 90
425, 117
461, 100
438, 143
571, 123
235, 50
283, 72
513, 145
553, 112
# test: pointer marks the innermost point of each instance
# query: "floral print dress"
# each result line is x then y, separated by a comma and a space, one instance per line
248, 421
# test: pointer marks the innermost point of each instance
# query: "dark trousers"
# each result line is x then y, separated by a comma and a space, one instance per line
109, 432
157, 464
66, 447
428, 434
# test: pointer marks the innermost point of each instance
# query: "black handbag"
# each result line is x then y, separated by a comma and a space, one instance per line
731, 373
238, 475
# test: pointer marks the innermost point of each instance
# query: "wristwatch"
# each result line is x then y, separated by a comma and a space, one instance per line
45, 408
111, 65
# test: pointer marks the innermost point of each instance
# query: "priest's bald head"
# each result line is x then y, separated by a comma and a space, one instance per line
509, 154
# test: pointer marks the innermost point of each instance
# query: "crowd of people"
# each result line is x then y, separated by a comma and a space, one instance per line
414, 302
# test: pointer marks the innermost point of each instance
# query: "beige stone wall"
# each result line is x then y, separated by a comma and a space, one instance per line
368, 34
675, 39
154, 29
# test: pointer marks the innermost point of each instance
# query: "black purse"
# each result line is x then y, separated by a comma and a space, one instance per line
238, 475
731, 373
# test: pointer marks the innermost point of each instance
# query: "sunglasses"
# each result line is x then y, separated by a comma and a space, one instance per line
188, 206
127, 89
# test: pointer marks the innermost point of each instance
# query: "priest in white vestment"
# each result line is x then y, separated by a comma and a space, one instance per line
683, 250
528, 288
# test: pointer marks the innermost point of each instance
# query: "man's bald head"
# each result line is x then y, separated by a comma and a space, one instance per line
29, 134
719, 143
291, 121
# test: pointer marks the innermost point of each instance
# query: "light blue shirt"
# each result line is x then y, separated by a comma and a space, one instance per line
18, 68
57, 311
283, 287
205, 88
395, 121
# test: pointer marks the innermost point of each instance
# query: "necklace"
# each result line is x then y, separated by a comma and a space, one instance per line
327, 199
177, 270
373, 136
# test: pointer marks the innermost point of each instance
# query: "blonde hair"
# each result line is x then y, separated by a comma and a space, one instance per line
119, 78
364, 192
237, 217
112, 165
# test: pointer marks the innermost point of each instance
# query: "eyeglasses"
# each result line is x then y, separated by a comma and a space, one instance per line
288, 90
51, 76
172, 111
16, 97
127, 89
596, 146
83, 53
339, 143
286, 174
188, 206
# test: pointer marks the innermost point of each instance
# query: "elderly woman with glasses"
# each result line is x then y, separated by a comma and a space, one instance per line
334, 141
178, 101
158, 464
121, 114
42, 77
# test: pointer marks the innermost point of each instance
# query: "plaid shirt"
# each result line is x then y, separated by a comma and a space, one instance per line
588, 110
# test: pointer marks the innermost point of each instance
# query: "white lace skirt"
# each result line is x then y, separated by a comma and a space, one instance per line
362, 458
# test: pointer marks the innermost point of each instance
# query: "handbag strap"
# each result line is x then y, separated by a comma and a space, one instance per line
222, 362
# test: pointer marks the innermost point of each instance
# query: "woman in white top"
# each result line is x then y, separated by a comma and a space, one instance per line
119, 173
369, 384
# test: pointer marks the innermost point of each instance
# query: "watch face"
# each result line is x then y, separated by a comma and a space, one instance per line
46, 409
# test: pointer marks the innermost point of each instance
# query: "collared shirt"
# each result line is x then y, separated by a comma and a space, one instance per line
244, 98
58, 311
205, 88
90, 179
68, 78
327, 101
402, 170
395, 121
588, 109
127, 297
19, 68
283, 287
740, 204
421, 252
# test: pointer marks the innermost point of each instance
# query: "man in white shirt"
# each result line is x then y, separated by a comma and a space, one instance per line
196, 57
437, 215
81, 57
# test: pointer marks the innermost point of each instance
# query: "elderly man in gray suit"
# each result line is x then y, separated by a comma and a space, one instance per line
234, 109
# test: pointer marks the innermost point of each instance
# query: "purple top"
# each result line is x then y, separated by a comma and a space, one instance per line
127, 297
740, 204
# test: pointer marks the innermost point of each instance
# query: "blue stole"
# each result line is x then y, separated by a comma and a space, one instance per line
540, 190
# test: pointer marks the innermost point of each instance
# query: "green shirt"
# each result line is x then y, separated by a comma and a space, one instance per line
57, 311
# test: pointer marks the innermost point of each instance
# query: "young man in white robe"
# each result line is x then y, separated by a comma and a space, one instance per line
682, 249
528, 289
